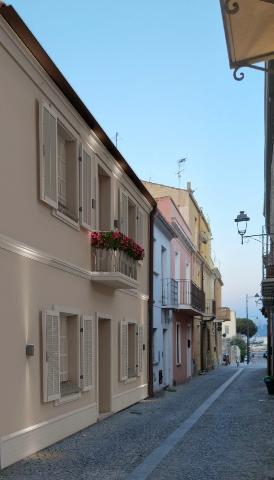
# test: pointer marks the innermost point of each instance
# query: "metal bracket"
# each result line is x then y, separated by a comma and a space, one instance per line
239, 77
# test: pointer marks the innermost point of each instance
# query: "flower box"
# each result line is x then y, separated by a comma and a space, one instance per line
115, 240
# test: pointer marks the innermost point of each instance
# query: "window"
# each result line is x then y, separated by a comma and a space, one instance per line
130, 218
60, 182
67, 173
104, 200
131, 350
68, 354
69, 376
132, 364
155, 355
178, 344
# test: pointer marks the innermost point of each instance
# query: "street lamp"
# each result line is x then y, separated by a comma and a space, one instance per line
241, 221
257, 296
242, 218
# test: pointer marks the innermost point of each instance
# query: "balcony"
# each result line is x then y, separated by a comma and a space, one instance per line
113, 268
183, 295
223, 314
268, 272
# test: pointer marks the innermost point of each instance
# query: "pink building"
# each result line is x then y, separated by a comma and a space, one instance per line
181, 271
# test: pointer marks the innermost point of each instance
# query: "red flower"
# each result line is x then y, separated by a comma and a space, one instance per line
115, 240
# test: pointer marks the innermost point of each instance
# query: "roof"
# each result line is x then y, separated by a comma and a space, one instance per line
31, 43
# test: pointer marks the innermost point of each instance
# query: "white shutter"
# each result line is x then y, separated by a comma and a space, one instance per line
140, 227
88, 182
123, 351
48, 156
123, 212
87, 366
51, 355
140, 350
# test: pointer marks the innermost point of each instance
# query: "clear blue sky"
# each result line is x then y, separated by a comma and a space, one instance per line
157, 72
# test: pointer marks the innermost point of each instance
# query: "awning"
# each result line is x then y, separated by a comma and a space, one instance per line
249, 29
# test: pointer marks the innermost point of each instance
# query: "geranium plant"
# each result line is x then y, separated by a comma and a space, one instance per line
115, 240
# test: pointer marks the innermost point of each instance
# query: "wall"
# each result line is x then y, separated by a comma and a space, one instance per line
32, 240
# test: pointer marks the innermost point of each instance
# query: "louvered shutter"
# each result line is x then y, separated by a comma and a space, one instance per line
123, 212
48, 157
88, 183
140, 349
140, 227
87, 366
51, 355
123, 350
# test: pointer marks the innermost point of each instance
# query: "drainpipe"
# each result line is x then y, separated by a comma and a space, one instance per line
150, 302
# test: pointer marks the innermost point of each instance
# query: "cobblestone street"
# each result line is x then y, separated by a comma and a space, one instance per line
201, 431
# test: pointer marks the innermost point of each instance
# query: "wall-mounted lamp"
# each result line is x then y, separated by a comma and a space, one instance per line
242, 219
30, 350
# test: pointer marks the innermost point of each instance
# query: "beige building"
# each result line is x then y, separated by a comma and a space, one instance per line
206, 328
74, 326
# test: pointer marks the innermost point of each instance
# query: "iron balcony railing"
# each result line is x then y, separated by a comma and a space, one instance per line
268, 257
182, 292
169, 292
268, 271
109, 261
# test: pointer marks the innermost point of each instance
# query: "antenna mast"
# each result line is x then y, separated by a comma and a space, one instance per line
179, 174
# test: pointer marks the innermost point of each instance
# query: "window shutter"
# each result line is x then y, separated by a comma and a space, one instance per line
51, 355
140, 349
140, 227
48, 157
87, 352
88, 182
123, 351
123, 212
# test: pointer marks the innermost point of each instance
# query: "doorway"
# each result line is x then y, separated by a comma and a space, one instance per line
166, 363
104, 365
189, 351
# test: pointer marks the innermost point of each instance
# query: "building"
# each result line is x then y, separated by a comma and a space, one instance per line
74, 332
268, 249
164, 300
195, 274
180, 290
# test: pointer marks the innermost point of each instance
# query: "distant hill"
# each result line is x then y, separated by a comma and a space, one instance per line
262, 331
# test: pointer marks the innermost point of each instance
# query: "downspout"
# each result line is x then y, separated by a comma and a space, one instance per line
150, 302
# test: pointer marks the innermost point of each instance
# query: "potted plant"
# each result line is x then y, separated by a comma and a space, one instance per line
269, 381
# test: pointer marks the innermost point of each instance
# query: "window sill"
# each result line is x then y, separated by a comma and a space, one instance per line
67, 399
130, 380
64, 218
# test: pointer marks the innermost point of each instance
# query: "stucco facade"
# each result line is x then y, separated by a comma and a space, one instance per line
163, 304
85, 314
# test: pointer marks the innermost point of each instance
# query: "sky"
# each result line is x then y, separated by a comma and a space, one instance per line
157, 73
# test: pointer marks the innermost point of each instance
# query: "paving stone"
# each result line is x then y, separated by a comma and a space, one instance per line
232, 439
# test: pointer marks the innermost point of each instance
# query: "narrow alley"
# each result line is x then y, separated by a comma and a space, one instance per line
216, 426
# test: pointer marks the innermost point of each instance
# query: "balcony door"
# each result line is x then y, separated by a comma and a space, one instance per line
189, 350
187, 299
177, 274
